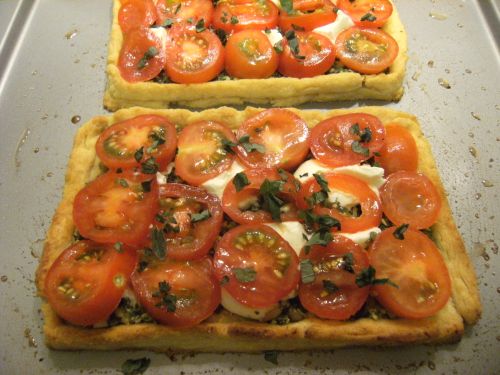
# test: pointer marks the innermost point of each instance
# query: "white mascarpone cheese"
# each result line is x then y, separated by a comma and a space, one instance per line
332, 30
217, 184
363, 237
261, 314
293, 232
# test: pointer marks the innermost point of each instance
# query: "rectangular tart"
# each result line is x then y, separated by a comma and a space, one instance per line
225, 332
274, 91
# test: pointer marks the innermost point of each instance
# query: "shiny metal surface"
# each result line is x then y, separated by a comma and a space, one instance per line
52, 62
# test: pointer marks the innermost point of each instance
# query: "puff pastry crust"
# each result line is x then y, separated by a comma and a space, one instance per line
225, 332
281, 91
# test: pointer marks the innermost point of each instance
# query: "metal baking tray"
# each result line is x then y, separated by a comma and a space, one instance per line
52, 63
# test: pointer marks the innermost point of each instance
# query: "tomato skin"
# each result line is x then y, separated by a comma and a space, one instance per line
132, 129
332, 139
200, 143
378, 49
107, 212
371, 208
267, 288
136, 44
284, 135
136, 13
193, 57
380, 9
309, 16
205, 232
182, 10
192, 282
410, 198
341, 304
249, 54
250, 14
97, 285
399, 152
319, 55
231, 199
417, 267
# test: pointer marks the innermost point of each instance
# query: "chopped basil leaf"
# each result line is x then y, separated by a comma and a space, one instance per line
287, 6
166, 299
240, 180
271, 356
317, 198
118, 246
369, 17
148, 55
293, 43
158, 243
283, 174
348, 263
135, 366
234, 20
221, 34
228, 145
373, 236
203, 215
190, 20
168, 22
367, 277
270, 201
146, 186
139, 154
399, 232
321, 237
304, 174
122, 182
322, 182
224, 280
330, 286
366, 135
306, 271
354, 129
158, 139
359, 149
250, 147
245, 275
149, 166
278, 46
200, 25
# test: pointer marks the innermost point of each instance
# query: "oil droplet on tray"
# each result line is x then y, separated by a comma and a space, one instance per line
438, 16
20, 143
75, 119
487, 183
4, 278
71, 34
31, 340
476, 116
473, 151
444, 83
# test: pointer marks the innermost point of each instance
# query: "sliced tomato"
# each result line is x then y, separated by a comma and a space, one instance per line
249, 54
410, 198
178, 294
148, 135
367, 13
203, 151
308, 15
283, 135
190, 219
399, 152
365, 50
86, 282
347, 139
249, 206
257, 266
142, 56
417, 267
136, 13
237, 15
333, 294
371, 208
315, 55
192, 56
116, 207
191, 11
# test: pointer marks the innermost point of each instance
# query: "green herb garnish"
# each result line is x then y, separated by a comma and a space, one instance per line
158, 243
367, 277
250, 147
167, 299
245, 275
148, 55
203, 215
240, 180
135, 366
306, 271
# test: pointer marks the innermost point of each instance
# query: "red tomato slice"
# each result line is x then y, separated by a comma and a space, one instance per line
185, 11
367, 51
410, 198
192, 56
245, 206
202, 154
116, 208
154, 135
237, 15
417, 267
334, 294
399, 152
189, 292
135, 14
347, 139
371, 208
308, 15
283, 134
182, 210
249, 54
367, 13
315, 55
142, 55
86, 282
258, 266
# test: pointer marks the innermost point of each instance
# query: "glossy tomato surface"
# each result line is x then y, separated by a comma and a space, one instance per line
417, 267
148, 135
116, 207
191, 11
367, 13
135, 14
86, 282
410, 198
308, 15
282, 135
259, 267
347, 139
178, 294
399, 152
237, 15
333, 293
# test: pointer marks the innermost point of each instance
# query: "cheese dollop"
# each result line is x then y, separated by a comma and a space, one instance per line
333, 29
217, 184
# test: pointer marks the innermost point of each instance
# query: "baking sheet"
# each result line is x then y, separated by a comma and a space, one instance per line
52, 62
